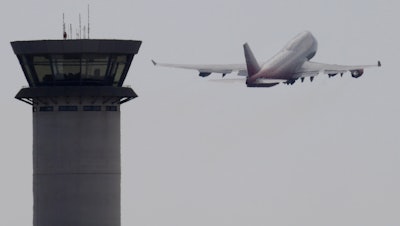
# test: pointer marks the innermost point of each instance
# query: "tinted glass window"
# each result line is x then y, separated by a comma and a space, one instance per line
94, 67
43, 71
92, 108
66, 68
68, 108
26, 62
46, 108
119, 67
75, 69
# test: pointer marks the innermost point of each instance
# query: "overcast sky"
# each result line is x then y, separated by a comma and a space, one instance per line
200, 153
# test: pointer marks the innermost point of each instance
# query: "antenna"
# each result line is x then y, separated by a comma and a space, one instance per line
64, 33
88, 21
79, 34
80, 27
70, 30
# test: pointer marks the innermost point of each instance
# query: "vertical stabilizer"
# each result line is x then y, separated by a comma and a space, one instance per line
252, 65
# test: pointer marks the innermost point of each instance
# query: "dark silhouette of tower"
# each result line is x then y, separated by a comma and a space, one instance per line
75, 89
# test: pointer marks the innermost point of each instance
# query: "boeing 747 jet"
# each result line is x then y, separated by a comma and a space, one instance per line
287, 66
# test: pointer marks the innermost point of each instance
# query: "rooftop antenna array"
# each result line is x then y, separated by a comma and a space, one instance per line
78, 35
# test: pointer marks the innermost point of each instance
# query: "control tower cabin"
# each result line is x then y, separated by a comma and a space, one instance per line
75, 89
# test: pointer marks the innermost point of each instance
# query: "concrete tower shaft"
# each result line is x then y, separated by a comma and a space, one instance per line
76, 92
76, 163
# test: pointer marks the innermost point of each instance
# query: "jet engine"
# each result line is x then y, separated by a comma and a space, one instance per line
357, 73
204, 74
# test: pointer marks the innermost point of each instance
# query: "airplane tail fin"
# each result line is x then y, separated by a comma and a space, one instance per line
252, 65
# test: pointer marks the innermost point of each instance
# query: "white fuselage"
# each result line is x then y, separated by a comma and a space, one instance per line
286, 62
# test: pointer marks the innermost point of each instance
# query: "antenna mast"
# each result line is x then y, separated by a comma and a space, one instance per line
64, 32
79, 34
88, 21
80, 27
70, 30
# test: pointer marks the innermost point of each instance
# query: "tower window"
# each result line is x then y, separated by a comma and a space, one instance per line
46, 108
111, 108
68, 108
92, 108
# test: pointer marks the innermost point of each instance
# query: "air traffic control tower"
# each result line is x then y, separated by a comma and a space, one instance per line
75, 89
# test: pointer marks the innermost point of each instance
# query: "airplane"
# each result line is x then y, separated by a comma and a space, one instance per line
287, 66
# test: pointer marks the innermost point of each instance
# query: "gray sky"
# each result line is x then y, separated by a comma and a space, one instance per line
202, 153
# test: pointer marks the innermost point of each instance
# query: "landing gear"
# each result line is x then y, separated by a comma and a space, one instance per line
290, 82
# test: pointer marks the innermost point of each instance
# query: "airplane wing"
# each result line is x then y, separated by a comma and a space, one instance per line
312, 68
206, 69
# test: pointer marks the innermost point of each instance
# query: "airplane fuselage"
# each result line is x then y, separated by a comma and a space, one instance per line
288, 60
